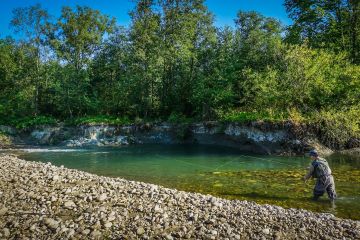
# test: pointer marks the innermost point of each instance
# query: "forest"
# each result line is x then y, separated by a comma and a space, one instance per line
173, 64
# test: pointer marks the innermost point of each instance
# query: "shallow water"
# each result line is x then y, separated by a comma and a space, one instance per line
215, 170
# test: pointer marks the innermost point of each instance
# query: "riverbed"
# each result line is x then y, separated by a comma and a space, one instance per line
219, 171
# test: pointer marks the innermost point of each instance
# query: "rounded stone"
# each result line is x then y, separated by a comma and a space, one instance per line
140, 231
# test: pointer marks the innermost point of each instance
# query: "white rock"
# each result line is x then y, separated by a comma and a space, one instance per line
51, 223
157, 208
108, 225
55, 178
71, 233
69, 204
140, 231
33, 227
95, 234
3, 211
169, 237
102, 197
6, 232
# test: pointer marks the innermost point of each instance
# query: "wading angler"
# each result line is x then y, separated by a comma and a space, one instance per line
320, 170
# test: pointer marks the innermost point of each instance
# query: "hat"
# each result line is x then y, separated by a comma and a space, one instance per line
313, 153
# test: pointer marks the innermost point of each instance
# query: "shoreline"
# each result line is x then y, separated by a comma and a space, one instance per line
287, 138
40, 200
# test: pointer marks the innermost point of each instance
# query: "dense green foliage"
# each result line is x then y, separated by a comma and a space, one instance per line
100, 119
330, 24
173, 64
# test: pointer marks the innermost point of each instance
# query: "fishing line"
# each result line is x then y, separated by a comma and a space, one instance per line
226, 164
231, 161
266, 159
193, 164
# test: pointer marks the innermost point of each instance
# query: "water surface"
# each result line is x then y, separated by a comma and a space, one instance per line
220, 171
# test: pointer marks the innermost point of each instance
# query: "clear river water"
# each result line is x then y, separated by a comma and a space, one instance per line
220, 171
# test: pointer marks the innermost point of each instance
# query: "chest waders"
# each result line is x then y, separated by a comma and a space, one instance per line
324, 179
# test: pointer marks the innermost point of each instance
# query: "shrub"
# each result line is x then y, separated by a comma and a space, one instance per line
176, 117
338, 127
241, 116
31, 122
100, 119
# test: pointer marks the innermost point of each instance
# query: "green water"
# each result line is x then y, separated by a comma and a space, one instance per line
219, 171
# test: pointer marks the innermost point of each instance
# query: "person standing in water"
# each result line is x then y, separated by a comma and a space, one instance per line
320, 170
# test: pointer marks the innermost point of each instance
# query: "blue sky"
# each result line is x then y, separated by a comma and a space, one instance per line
224, 10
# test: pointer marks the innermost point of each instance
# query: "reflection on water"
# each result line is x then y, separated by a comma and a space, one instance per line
219, 171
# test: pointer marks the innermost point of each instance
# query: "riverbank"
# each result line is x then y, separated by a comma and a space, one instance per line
43, 201
286, 138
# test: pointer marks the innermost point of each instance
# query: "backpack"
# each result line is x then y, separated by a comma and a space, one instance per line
321, 168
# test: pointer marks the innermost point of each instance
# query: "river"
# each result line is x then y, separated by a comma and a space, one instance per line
216, 170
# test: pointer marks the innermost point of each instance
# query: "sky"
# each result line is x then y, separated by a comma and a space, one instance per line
224, 10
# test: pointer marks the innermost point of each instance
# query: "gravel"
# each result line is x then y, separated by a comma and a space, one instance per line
42, 201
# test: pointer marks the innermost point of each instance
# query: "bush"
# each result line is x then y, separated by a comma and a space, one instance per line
5, 140
176, 117
295, 116
240, 116
336, 128
100, 119
31, 122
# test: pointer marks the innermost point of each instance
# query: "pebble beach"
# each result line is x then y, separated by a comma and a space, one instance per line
43, 201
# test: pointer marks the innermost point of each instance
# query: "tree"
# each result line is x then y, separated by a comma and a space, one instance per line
257, 45
33, 21
78, 34
213, 89
146, 60
8, 68
111, 76
187, 30
331, 24
257, 40
76, 38
16, 79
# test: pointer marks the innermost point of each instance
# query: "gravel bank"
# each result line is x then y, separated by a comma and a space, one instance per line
41, 201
